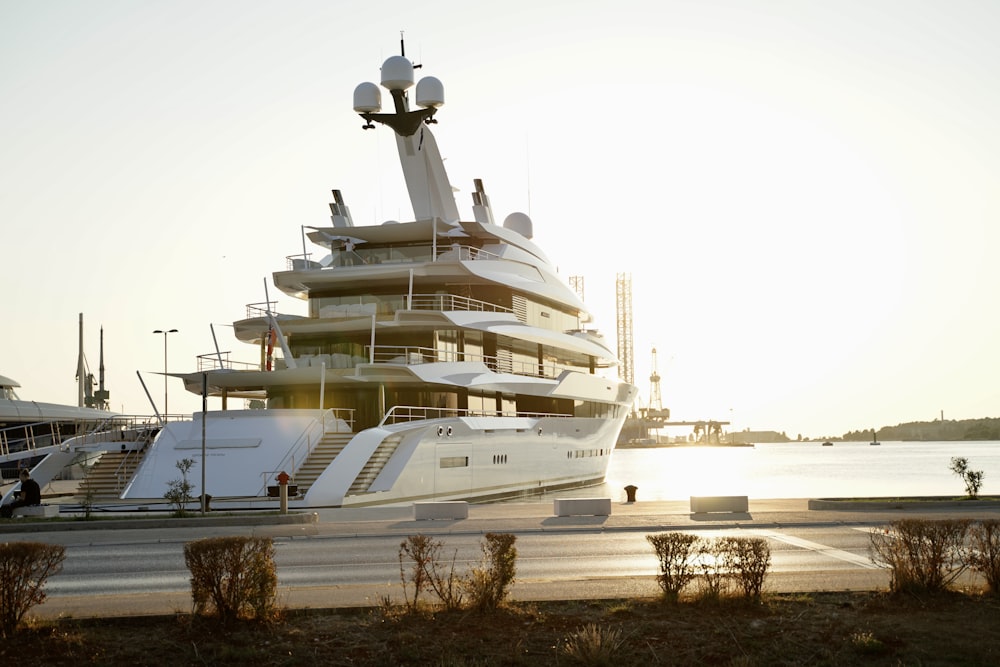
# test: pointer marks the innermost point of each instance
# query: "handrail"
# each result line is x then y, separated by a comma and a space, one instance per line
362, 255
394, 354
288, 461
57, 431
211, 362
454, 302
401, 414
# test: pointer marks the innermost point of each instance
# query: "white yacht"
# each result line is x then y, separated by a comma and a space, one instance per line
441, 358
33, 433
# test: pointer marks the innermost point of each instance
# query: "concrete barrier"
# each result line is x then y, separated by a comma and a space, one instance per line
582, 507
719, 504
37, 510
445, 509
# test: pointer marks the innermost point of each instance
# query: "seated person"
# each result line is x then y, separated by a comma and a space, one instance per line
30, 494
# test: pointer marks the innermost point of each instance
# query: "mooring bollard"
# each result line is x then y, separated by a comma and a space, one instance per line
630, 492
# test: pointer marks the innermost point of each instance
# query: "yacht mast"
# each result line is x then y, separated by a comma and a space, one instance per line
81, 376
427, 182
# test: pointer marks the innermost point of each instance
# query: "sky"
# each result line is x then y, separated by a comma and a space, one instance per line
804, 194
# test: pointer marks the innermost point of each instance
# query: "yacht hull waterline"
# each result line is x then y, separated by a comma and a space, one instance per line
442, 359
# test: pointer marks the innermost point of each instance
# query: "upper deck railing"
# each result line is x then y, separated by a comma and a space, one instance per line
394, 354
362, 256
401, 414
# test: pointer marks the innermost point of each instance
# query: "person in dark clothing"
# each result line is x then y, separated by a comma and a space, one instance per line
30, 494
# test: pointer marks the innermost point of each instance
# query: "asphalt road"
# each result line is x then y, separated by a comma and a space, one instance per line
348, 558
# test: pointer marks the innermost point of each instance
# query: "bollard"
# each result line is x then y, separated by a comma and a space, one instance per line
630, 492
283, 491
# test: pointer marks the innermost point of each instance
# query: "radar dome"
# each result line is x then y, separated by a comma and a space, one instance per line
520, 223
430, 92
367, 98
397, 73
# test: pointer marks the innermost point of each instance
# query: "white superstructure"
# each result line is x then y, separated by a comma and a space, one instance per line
440, 358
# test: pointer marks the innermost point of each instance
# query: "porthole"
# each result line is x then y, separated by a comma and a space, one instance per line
449, 431
440, 431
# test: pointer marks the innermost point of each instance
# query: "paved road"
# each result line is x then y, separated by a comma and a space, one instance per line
349, 557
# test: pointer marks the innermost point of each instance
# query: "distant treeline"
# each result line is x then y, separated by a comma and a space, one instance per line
963, 429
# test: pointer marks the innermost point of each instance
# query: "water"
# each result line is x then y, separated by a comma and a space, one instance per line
800, 470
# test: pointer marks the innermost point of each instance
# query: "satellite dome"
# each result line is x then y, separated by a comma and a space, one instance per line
397, 73
367, 98
520, 223
430, 92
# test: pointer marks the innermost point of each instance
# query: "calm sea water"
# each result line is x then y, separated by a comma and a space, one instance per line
800, 470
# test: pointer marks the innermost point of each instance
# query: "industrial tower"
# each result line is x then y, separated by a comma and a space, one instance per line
623, 292
656, 413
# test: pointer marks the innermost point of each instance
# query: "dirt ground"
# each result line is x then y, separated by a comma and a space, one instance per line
805, 629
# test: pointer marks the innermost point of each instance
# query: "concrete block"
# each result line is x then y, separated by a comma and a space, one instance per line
445, 509
719, 504
37, 510
582, 507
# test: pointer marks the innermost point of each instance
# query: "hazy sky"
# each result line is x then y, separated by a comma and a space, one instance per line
805, 193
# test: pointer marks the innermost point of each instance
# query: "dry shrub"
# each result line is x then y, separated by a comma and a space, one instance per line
489, 584
746, 560
984, 552
713, 578
24, 569
594, 644
717, 565
921, 555
233, 576
676, 553
427, 572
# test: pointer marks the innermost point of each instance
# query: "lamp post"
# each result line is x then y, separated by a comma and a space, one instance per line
165, 332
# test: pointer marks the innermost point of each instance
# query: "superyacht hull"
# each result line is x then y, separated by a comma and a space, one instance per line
469, 457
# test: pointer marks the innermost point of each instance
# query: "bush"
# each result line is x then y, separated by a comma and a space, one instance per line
922, 555
594, 645
713, 578
233, 576
179, 490
973, 478
489, 584
676, 553
746, 560
984, 552
716, 565
427, 573
24, 569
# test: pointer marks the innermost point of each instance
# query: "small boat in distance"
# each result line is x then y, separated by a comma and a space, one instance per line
828, 444
874, 442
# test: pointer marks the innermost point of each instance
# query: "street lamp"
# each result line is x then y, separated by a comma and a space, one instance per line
165, 332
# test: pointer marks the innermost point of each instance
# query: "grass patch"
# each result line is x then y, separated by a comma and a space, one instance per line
819, 628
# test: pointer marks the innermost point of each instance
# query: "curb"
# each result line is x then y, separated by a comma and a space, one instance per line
27, 526
849, 505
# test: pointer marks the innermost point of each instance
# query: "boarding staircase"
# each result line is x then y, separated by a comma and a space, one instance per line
321, 456
374, 465
109, 476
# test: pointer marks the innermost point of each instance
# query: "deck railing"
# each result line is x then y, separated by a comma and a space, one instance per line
400, 414
362, 256
389, 354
